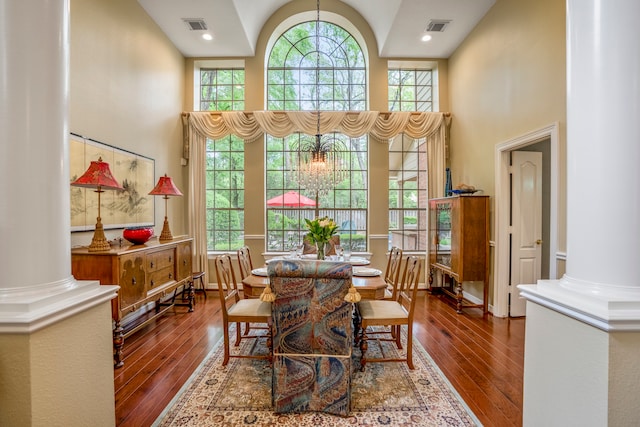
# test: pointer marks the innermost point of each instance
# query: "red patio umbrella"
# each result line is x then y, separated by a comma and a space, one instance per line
291, 199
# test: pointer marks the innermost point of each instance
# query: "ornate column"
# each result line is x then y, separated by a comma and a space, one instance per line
583, 331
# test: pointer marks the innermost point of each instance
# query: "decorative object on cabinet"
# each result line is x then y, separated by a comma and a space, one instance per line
165, 187
459, 245
448, 184
131, 206
98, 176
137, 235
149, 277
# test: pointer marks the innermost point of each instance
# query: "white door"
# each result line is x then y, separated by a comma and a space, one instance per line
526, 225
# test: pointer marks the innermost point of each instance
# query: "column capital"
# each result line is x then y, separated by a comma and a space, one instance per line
607, 307
26, 309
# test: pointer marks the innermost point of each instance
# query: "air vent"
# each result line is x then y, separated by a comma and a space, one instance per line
195, 24
438, 25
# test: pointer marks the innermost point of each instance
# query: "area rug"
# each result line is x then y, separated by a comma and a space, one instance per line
384, 394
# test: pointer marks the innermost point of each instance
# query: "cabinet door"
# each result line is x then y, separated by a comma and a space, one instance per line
184, 261
133, 284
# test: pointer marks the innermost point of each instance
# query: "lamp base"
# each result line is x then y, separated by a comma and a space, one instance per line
166, 231
99, 242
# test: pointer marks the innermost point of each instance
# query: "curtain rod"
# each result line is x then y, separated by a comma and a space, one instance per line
250, 113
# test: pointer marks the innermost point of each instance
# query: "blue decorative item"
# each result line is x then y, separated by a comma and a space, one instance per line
448, 187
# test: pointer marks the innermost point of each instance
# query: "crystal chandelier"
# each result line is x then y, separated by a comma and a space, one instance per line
319, 169
319, 165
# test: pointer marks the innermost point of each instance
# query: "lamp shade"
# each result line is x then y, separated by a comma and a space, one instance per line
165, 187
98, 175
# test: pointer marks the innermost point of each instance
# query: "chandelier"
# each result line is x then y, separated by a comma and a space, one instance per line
319, 167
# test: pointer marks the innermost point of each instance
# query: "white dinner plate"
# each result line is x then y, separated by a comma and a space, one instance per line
366, 271
359, 261
260, 271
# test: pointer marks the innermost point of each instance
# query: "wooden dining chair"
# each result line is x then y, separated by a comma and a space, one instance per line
393, 314
244, 262
245, 267
310, 248
392, 273
237, 310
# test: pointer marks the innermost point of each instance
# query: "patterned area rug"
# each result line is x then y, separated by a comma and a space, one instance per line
385, 394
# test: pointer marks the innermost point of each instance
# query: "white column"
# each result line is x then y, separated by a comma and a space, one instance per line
603, 144
56, 365
34, 169
583, 331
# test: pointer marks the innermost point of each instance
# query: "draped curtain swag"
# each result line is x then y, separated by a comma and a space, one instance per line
251, 126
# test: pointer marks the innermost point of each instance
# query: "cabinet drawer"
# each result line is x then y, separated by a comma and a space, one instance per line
160, 260
184, 260
132, 279
160, 277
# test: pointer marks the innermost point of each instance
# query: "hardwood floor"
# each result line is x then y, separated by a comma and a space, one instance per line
482, 357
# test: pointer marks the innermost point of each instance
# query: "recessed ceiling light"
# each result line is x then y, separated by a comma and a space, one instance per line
207, 36
426, 37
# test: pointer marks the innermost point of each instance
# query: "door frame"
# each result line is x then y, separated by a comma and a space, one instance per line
502, 202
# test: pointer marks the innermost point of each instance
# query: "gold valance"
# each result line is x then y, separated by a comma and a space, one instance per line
250, 126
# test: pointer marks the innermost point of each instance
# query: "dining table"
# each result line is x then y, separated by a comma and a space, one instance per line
369, 282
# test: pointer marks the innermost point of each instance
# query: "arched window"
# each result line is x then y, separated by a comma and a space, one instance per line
317, 66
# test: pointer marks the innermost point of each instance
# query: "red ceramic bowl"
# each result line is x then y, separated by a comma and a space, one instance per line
138, 235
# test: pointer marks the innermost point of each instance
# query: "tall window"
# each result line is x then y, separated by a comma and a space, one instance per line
409, 90
321, 71
223, 89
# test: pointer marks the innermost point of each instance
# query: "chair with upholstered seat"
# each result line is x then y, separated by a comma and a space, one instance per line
392, 273
312, 336
245, 265
237, 310
393, 314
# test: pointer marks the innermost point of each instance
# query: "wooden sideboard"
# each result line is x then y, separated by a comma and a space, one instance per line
149, 277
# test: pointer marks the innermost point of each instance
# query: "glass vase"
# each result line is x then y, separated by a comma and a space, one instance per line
320, 249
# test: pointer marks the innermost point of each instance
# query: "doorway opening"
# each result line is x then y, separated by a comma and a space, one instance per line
543, 140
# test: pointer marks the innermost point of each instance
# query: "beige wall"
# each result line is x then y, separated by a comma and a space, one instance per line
127, 90
506, 79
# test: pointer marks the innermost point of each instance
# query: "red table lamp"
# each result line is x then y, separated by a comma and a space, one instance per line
98, 176
165, 187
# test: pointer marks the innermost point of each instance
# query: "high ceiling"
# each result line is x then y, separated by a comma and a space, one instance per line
397, 24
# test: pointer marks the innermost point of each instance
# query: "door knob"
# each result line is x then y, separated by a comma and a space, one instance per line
538, 242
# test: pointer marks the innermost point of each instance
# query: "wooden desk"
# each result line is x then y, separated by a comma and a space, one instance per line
368, 287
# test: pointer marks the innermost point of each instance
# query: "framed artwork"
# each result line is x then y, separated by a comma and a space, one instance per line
132, 206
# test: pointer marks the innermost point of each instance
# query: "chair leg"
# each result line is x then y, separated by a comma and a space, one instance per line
396, 334
364, 346
226, 344
409, 345
204, 290
237, 334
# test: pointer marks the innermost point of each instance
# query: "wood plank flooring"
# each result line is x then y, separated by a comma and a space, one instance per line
481, 356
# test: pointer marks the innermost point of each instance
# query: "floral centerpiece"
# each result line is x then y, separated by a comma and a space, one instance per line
320, 232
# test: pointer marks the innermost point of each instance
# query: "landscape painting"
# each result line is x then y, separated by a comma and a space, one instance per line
129, 207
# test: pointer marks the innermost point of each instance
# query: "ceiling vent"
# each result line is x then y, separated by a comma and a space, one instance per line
195, 24
438, 25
